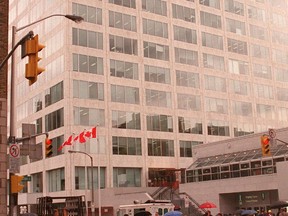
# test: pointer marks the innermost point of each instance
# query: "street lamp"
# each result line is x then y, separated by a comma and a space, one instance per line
92, 180
74, 18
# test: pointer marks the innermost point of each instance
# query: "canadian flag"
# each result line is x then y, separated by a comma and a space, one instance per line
67, 142
81, 138
91, 134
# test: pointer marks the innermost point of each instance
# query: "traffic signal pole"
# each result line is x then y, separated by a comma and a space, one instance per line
22, 41
13, 198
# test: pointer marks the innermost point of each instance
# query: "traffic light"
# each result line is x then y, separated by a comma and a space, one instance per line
48, 147
32, 47
265, 145
16, 185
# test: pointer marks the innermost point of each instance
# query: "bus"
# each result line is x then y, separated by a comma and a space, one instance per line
149, 208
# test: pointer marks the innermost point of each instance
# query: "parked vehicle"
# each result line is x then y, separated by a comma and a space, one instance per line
149, 208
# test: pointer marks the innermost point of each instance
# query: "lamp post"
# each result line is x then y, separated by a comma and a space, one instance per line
77, 19
92, 180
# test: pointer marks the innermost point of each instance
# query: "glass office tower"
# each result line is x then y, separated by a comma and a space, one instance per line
156, 77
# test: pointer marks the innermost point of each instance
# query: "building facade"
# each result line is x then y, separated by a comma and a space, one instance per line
234, 174
157, 77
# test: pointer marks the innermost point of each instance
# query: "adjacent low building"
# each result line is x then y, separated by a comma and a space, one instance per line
234, 174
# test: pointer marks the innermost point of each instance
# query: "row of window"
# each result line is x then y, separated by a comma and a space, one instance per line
235, 170
127, 22
184, 56
129, 70
122, 177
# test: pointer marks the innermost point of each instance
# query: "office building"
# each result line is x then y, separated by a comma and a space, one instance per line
156, 77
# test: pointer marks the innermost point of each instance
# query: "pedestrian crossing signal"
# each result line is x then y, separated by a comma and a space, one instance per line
265, 145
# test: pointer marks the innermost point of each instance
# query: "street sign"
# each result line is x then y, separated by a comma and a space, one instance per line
14, 150
14, 158
26, 178
272, 133
14, 165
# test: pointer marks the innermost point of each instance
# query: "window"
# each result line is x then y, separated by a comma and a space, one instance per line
239, 87
155, 28
122, 21
256, 13
262, 71
54, 120
95, 177
265, 111
238, 67
91, 39
183, 13
279, 20
211, 20
157, 74
218, 128
241, 108
264, 91
258, 32
215, 83
156, 51
280, 56
213, 61
88, 116
90, 14
126, 120
39, 126
87, 64
242, 129
210, 3
126, 177
126, 146
124, 3
162, 123
124, 94
37, 182
187, 79
283, 114
282, 94
185, 56
190, 125
128, 70
186, 35
212, 41
158, 98
279, 38
56, 180
189, 102
88, 90
54, 94
281, 74
235, 7
259, 51
186, 147
37, 101
155, 6
237, 46
56, 143
235, 26
160, 147
216, 105
123, 45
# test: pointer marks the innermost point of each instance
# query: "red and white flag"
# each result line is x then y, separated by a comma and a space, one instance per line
67, 142
91, 133
81, 138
